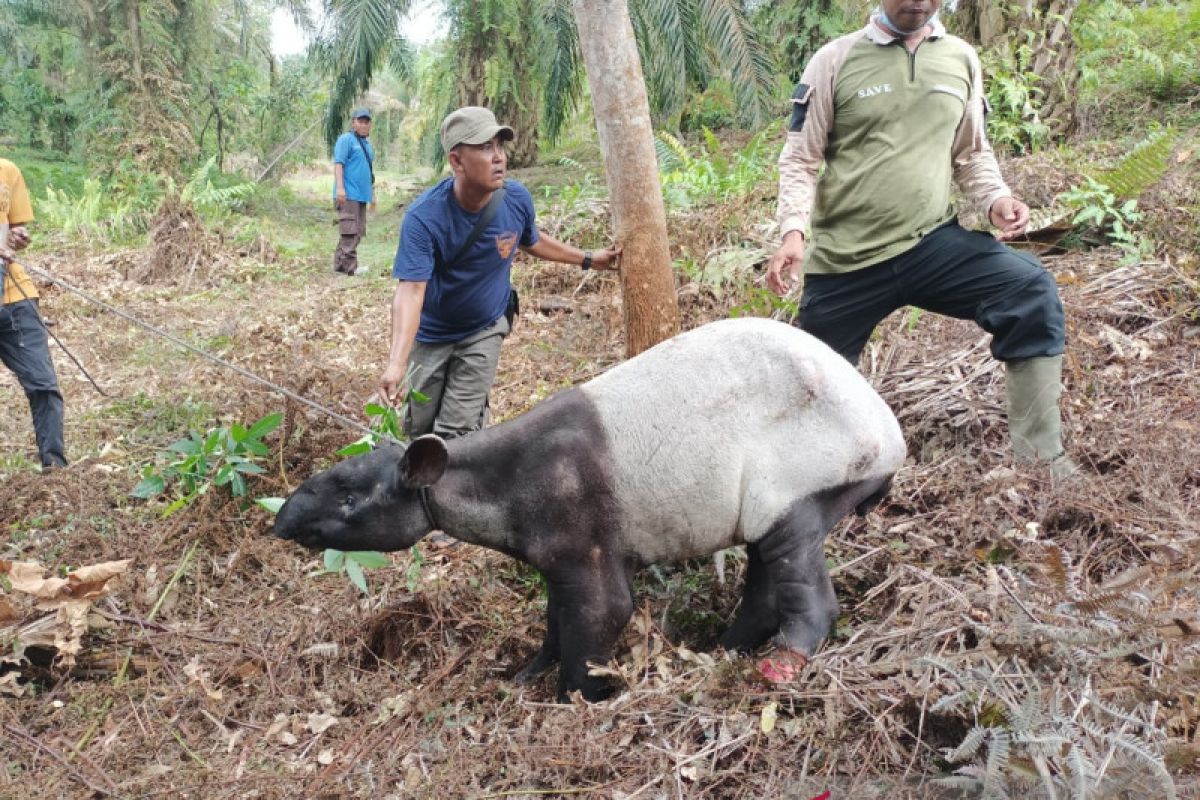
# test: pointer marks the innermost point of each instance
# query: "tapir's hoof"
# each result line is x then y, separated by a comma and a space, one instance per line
784, 666
534, 670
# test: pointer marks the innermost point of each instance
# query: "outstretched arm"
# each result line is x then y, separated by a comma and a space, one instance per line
550, 249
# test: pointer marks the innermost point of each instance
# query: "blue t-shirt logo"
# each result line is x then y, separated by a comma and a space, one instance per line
505, 243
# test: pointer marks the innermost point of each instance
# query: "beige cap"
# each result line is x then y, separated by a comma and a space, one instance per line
472, 125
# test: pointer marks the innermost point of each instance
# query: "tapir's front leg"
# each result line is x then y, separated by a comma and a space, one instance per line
548, 656
595, 607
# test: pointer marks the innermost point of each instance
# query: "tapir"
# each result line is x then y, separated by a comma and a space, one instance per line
744, 431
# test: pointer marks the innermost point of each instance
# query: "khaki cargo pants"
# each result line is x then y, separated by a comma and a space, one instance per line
456, 377
352, 227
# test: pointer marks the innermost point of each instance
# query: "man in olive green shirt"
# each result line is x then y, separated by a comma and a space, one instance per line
895, 111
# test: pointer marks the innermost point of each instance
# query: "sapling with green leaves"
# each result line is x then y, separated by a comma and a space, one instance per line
222, 456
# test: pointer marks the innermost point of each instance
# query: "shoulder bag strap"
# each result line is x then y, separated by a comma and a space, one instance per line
367, 156
489, 213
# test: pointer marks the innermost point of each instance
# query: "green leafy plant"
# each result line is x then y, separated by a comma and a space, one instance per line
711, 176
350, 562
412, 574
1098, 207
94, 213
1138, 50
1013, 94
386, 424
223, 456
353, 562
203, 192
762, 302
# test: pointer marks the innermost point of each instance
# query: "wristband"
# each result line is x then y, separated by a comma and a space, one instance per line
587, 260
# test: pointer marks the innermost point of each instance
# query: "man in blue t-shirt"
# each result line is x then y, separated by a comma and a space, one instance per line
457, 245
353, 190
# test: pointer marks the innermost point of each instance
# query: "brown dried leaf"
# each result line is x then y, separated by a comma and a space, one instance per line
28, 577
8, 612
70, 624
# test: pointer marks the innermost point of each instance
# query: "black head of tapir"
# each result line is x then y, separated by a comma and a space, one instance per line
369, 502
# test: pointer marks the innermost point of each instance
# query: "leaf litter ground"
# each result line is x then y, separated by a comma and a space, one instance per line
976, 597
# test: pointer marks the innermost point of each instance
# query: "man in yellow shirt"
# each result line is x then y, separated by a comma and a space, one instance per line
24, 345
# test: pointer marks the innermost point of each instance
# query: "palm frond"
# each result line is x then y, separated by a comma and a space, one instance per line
741, 56
301, 14
664, 40
362, 31
402, 59
564, 86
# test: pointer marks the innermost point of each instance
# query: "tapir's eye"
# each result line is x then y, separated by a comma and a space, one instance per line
349, 501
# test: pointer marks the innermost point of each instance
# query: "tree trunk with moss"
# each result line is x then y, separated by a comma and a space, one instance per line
1050, 55
618, 88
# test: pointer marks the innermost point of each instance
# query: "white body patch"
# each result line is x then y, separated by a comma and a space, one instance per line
716, 433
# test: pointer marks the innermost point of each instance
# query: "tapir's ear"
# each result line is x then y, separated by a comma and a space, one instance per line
424, 462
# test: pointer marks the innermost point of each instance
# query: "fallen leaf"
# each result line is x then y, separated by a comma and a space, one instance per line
319, 722
8, 612
197, 674
769, 715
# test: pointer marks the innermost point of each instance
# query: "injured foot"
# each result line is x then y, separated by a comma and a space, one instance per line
782, 666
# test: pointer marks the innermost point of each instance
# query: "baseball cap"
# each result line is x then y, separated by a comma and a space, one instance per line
361, 112
472, 125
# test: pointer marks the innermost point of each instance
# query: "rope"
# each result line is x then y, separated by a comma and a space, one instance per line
245, 373
37, 313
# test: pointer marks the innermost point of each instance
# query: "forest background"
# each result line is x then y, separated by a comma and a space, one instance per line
999, 635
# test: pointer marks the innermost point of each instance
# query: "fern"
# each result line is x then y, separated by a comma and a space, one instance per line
1097, 603
1042, 735
969, 746
1142, 168
97, 212
1136, 751
204, 196
1058, 567
1080, 769
997, 764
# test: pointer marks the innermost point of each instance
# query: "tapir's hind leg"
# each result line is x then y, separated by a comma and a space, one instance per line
548, 656
793, 554
594, 608
757, 617
806, 606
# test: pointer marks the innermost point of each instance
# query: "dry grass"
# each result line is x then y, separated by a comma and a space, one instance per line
977, 596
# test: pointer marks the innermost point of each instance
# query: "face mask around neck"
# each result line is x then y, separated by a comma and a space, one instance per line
883, 17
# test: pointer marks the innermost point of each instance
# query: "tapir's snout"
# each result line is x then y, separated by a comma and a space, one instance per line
289, 520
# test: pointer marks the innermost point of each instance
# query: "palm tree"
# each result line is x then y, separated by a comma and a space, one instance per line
522, 57
639, 218
1037, 34
362, 37
685, 44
